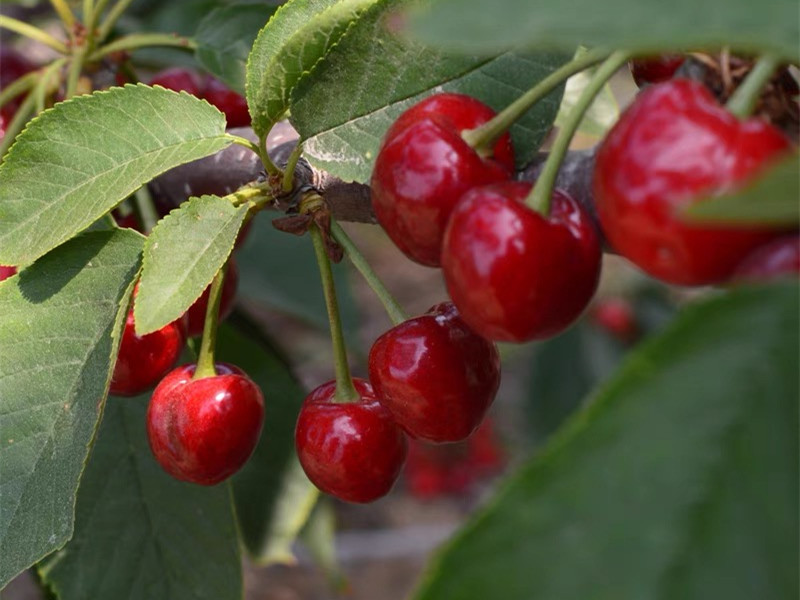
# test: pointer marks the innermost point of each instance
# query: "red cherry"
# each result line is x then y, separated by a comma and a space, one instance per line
229, 102
424, 166
656, 68
776, 260
13, 65
179, 79
435, 376
144, 359
204, 430
674, 146
351, 450
6, 272
514, 274
616, 316
196, 315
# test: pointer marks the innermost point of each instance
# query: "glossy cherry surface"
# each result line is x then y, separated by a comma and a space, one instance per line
514, 274
196, 315
435, 375
229, 102
674, 146
424, 166
179, 79
144, 359
777, 260
204, 430
6, 272
351, 450
655, 69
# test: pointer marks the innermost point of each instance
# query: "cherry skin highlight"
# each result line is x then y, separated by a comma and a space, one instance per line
204, 430
144, 359
673, 147
351, 450
424, 166
780, 259
196, 315
514, 274
435, 375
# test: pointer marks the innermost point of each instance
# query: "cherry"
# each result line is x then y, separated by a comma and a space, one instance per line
424, 166
777, 260
514, 274
674, 146
229, 102
179, 79
351, 450
204, 430
617, 317
196, 315
435, 376
655, 69
14, 66
6, 272
144, 359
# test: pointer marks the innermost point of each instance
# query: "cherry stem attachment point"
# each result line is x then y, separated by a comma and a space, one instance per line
345, 390
33, 33
205, 358
744, 99
393, 309
483, 138
539, 198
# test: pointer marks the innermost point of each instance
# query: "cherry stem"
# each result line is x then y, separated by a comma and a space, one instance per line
345, 390
483, 138
64, 13
393, 309
99, 8
88, 12
291, 164
145, 210
112, 17
744, 99
33, 33
205, 358
539, 198
143, 40
74, 73
44, 87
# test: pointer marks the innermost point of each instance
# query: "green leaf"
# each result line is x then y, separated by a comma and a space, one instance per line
224, 39
679, 481
299, 35
771, 199
344, 107
78, 160
140, 534
269, 494
648, 26
181, 256
59, 324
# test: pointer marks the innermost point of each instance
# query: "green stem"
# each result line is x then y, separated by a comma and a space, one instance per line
143, 40
244, 142
17, 123
746, 96
272, 170
145, 209
539, 199
291, 164
483, 138
18, 86
64, 12
99, 8
43, 86
75, 68
393, 309
33, 33
112, 17
345, 390
205, 358
88, 12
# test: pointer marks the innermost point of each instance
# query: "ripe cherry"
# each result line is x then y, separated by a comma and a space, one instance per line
656, 68
424, 166
196, 315
514, 274
179, 79
617, 317
351, 450
777, 260
204, 430
6, 272
435, 375
14, 66
144, 359
674, 146
229, 102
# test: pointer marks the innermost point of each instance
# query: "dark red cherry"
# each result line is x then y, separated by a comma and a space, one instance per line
6, 272
229, 102
655, 69
424, 166
144, 359
179, 79
13, 65
204, 430
673, 147
435, 375
514, 274
617, 317
777, 260
196, 315
351, 450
